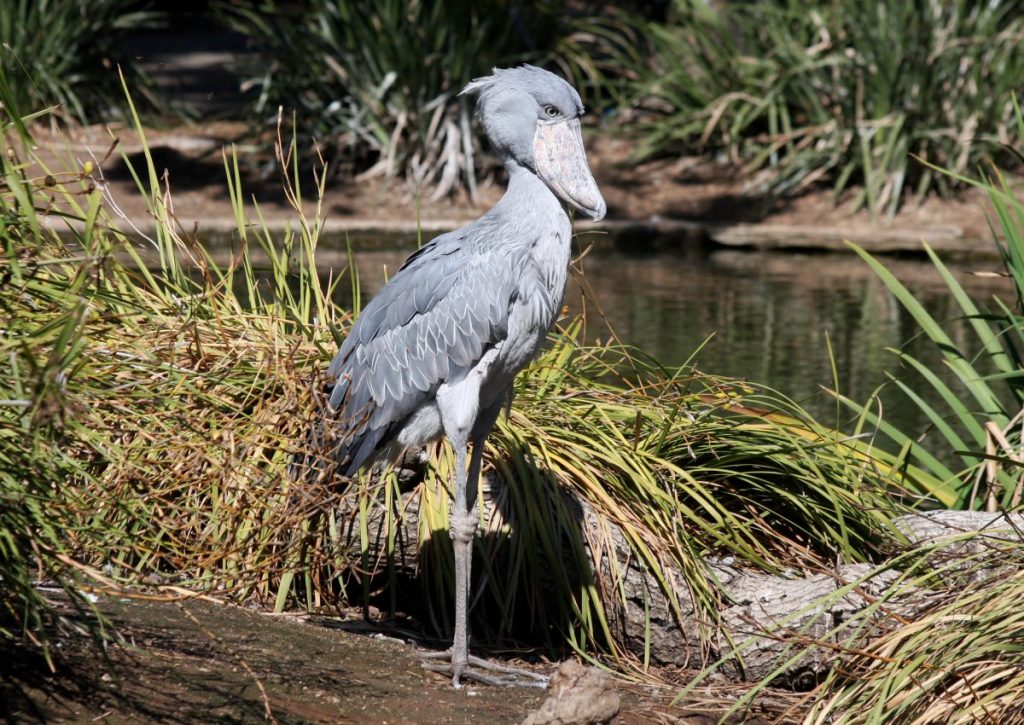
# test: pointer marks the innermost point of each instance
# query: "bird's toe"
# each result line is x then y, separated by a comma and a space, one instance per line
481, 671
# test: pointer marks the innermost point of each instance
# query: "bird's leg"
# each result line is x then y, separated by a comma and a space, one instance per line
463, 529
481, 429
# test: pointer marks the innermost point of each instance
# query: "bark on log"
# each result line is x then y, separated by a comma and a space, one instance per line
754, 603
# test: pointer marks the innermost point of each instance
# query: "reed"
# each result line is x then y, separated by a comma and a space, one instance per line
954, 657
377, 84
979, 402
65, 54
838, 93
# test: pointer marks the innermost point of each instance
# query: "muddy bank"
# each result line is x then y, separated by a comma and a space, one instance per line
198, 662
663, 204
192, 662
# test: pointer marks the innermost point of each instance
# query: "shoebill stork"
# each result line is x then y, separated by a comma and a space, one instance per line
435, 352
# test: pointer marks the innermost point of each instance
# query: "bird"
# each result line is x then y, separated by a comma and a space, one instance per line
434, 353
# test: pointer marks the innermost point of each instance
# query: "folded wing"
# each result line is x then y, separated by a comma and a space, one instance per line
438, 315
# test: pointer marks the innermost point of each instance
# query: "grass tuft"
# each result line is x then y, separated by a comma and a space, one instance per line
954, 657
842, 93
66, 54
979, 394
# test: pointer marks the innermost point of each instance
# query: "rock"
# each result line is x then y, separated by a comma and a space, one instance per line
580, 695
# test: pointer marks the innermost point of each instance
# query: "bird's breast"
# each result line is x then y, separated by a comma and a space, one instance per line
539, 293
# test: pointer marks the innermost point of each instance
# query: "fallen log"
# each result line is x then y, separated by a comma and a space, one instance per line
764, 618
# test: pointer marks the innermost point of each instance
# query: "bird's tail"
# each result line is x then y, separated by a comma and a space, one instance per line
337, 443
313, 463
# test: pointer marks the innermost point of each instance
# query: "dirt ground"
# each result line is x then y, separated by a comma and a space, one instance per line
199, 662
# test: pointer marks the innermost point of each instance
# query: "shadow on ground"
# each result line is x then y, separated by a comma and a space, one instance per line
190, 662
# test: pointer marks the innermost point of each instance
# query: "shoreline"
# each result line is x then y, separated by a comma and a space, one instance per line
662, 205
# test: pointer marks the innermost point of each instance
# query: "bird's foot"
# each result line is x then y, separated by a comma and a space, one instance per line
483, 671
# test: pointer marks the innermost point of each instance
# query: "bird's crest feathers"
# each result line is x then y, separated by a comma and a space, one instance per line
499, 76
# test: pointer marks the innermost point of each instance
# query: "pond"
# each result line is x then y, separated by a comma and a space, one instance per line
767, 317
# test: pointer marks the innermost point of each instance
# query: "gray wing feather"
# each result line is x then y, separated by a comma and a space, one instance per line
443, 308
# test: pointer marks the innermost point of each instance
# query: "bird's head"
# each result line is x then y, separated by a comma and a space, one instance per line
532, 117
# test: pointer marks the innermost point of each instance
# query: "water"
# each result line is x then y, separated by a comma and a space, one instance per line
772, 318
767, 317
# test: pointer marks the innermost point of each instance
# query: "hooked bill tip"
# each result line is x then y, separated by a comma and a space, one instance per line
589, 202
597, 213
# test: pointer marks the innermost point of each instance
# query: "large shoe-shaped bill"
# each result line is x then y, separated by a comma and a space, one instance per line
562, 164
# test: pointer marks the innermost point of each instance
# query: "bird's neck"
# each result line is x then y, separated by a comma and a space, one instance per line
528, 194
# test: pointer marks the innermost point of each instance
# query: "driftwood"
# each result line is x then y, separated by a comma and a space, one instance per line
758, 610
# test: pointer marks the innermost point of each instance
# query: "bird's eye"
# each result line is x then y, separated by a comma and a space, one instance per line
550, 111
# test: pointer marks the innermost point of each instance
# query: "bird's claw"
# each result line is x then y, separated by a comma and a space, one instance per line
483, 671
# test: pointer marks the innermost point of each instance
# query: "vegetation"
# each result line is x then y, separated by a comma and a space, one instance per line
33, 461
982, 388
66, 54
376, 84
840, 92
935, 639
153, 402
956, 659
178, 401
942, 644
843, 92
